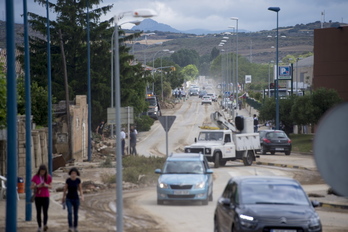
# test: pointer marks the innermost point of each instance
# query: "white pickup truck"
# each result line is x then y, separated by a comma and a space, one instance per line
220, 146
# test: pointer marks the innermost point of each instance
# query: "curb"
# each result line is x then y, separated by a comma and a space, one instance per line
333, 206
283, 165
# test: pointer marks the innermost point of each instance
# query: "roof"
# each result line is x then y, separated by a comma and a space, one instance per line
306, 62
280, 179
185, 156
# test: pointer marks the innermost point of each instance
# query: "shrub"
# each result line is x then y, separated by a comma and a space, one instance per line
144, 123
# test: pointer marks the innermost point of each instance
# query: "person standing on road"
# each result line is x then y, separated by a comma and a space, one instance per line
123, 140
256, 123
133, 142
100, 129
71, 197
41, 183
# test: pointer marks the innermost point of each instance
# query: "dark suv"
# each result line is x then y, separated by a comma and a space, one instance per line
274, 141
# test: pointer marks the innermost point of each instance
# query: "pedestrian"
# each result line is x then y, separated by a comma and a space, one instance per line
256, 123
123, 140
100, 129
71, 197
135, 130
41, 183
133, 142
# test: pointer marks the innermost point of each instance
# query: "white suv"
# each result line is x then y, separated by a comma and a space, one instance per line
206, 100
213, 96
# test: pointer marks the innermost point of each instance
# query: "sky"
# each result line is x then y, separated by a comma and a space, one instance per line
215, 14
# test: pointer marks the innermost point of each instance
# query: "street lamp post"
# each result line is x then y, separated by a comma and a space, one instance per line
269, 78
297, 77
153, 67
276, 9
119, 197
236, 83
171, 52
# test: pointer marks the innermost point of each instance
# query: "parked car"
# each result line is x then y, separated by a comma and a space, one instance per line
259, 203
213, 96
226, 103
274, 141
206, 100
185, 177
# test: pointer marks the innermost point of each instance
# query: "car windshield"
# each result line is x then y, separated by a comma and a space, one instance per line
276, 135
151, 101
271, 193
183, 167
210, 136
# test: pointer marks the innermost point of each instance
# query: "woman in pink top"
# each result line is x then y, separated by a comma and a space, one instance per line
41, 183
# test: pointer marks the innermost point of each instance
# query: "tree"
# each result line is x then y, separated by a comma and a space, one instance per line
184, 57
302, 111
323, 99
214, 53
71, 20
190, 72
39, 104
2, 97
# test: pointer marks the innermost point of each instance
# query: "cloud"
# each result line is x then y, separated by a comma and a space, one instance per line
215, 14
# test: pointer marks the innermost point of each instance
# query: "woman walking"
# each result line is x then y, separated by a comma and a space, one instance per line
71, 197
41, 183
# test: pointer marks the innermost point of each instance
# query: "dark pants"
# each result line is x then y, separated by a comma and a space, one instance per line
123, 144
42, 203
70, 204
133, 149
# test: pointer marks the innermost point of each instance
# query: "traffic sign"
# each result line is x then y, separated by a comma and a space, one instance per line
284, 72
127, 115
167, 122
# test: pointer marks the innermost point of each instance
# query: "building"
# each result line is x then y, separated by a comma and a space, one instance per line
331, 59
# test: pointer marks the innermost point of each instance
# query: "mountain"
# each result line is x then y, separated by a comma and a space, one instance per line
152, 25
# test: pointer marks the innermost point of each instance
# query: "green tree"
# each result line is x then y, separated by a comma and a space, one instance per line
323, 99
2, 97
302, 111
190, 72
214, 53
184, 57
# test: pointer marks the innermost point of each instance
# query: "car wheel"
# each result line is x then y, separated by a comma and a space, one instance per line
223, 162
272, 152
216, 225
205, 202
287, 152
211, 196
217, 160
263, 150
160, 202
248, 160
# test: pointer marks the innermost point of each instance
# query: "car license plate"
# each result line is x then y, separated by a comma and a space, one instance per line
280, 230
279, 149
181, 192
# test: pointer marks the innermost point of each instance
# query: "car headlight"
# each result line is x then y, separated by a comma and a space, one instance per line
200, 185
247, 221
162, 185
314, 223
207, 151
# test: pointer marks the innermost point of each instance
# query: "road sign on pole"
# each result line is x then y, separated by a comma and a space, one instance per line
167, 122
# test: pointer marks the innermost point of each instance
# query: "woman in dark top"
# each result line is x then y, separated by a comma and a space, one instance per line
71, 197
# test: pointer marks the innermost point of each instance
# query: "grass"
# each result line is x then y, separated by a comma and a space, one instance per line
107, 163
302, 142
136, 169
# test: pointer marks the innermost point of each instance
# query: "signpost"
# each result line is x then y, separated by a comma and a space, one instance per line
167, 122
247, 79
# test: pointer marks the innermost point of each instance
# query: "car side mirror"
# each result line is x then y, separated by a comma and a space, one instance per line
158, 171
209, 171
315, 203
195, 140
226, 202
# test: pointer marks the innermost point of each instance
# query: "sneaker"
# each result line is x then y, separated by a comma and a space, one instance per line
76, 230
45, 228
39, 229
71, 230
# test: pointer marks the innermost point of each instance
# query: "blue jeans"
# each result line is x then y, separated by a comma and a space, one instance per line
73, 203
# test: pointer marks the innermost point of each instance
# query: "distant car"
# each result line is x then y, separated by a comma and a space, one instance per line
274, 141
226, 103
213, 96
206, 100
202, 93
185, 177
260, 204
194, 92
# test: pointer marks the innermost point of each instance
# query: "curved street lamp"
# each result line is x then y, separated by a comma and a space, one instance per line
143, 13
236, 80
276, 9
